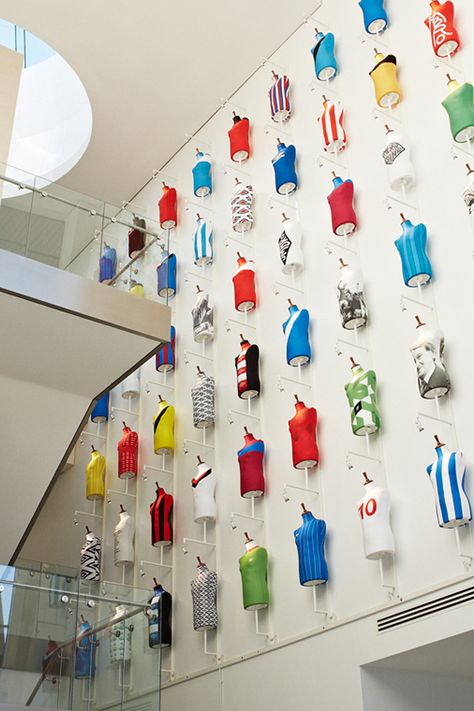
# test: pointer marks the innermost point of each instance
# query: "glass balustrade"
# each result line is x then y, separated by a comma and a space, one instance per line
78, 233
69, 644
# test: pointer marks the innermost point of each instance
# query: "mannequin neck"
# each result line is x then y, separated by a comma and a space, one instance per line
249, 438
250, 545
300, 406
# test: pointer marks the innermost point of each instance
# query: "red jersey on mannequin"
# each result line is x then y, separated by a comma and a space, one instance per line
302, 428
168, 208
245, 297
128, 454
161, 514
250, 457
239, 139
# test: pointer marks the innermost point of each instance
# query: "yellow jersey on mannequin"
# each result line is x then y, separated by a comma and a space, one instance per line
95, 476
163, 425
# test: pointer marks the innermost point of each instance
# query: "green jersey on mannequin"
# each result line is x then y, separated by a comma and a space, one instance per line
253, 570
361, 393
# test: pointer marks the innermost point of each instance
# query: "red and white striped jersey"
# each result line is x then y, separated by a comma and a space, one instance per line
334, 136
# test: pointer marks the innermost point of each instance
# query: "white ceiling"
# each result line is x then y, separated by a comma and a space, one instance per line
154, 72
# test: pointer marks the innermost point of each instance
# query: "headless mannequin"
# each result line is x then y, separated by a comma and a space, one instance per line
253, 570
302, 428
427, 352
396, 156
124, 536
252, 482
159, 622
309, 539
362, 396
447, 474
351, 298
204, 484
374, 512
163, 426
246, 365
289, 244
204, 596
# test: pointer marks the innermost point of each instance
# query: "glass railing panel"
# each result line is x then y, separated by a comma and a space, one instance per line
65, 228
63, 646
36, 620
16, 200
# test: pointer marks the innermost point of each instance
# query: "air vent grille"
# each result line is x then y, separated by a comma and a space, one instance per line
425, 609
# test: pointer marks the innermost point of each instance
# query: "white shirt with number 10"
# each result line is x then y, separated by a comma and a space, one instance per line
374, 512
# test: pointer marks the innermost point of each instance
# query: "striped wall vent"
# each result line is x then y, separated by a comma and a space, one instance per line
417, 612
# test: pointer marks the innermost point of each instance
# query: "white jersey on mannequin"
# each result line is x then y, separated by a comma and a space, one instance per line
396, 156
289, 243
120, 638
130, 387
124, 535
374, 512
204, 484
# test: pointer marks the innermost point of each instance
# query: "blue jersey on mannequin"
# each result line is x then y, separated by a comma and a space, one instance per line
202, 178
286, 180
166, 274
296, 330
411, 246
309, 539
100, 413
375, 17
325, 64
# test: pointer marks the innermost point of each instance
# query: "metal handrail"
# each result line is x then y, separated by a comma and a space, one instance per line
100, 598
88, 633
43, 193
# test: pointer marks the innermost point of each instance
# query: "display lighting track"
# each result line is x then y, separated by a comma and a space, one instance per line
125, 412
242, 414
323, 159
197, 443
457, 147
277, 128
240, 324
431, 417
282, 378
191, 275
196, 355
84, 433
197, 542
391, 198
285, 286
158, 385
305, 489
240, 242
87, 513
414, 301
157, 469
167, 566
330, 243
120, 493
362, 456
374, 38
348, 343
386, 115
248, 517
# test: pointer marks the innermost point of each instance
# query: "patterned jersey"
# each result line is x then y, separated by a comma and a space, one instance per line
165, 357
202, 395
90, 558
334, 136
447, 474
204, 596
128, 454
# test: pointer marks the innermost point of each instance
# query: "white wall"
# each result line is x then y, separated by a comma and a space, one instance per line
325, 667
394, 690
